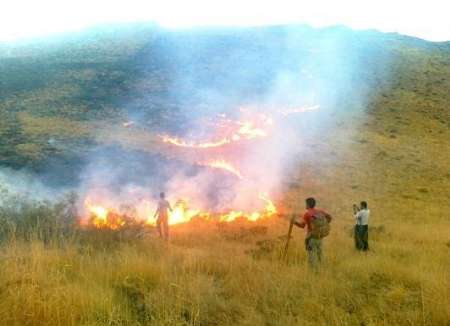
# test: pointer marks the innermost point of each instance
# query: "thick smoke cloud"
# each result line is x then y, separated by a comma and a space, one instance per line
265, 71
242, 74
296, 77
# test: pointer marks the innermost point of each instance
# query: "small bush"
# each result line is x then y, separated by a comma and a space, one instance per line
29, 219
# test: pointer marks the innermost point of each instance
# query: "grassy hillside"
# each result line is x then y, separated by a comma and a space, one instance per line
73, 82
61, 98
225, 274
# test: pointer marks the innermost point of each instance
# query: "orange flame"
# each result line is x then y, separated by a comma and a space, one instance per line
239, 130
226, 132
181, 213
182, 143
248, 131
101, 217
223, 165
269, 211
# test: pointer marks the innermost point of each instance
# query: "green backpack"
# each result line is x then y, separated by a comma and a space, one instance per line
320, 227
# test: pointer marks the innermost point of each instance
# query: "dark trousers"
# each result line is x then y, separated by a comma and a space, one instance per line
362, 237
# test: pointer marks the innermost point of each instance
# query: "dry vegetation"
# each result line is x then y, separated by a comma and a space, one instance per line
395, 155
232, 275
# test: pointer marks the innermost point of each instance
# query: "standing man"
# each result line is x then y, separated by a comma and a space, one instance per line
162, 222
362, 226
317, 226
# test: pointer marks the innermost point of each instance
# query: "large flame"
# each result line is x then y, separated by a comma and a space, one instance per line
107, 213
181, 213
102, 217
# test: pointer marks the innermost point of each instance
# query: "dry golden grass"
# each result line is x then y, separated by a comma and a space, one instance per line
230, 275
395, 155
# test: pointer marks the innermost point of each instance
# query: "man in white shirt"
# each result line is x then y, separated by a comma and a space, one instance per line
362, 227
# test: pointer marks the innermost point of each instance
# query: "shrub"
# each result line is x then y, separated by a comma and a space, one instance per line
27, 219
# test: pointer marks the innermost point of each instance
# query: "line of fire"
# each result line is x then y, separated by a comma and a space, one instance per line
222, 154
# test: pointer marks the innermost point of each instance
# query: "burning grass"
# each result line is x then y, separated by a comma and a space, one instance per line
227, 131
99, 216
102, 211
215, 273
229, 273
115, 270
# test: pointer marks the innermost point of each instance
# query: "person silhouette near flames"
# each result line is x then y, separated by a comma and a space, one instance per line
162, 214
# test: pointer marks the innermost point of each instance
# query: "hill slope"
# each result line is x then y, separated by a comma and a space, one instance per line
381, 134
62, 97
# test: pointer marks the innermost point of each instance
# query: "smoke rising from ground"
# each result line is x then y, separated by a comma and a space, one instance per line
300, 79
241, 75
25, 185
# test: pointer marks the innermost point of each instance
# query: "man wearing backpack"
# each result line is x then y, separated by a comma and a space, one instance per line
317, 226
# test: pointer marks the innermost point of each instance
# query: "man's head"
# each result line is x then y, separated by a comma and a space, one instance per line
363, 205
162, 195
310, 202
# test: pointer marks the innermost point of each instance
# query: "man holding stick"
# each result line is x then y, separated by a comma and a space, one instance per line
317, 226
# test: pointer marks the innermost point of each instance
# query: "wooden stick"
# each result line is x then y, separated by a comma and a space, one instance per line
286, 247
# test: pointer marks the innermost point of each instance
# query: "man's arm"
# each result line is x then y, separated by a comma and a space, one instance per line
328, 217
301, 224
358, 216
157, 212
